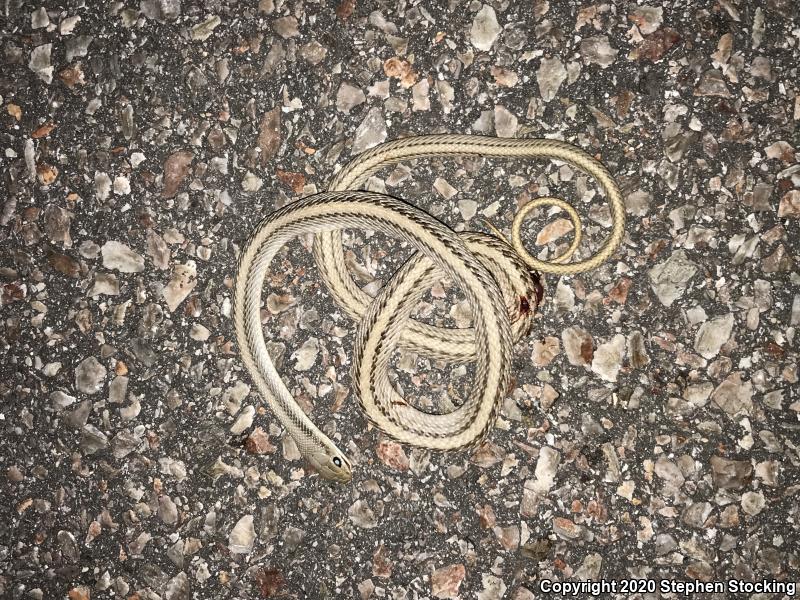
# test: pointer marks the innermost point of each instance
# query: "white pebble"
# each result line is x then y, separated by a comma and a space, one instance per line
122, 186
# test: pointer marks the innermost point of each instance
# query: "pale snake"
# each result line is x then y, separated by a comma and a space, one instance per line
501, 302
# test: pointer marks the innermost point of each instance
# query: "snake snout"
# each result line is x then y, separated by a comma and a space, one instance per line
332, 466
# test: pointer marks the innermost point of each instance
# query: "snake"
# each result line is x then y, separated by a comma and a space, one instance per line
499, 278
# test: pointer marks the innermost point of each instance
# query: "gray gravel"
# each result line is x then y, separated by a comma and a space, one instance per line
653, 426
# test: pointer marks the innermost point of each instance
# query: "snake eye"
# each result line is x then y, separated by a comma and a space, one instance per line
337, 461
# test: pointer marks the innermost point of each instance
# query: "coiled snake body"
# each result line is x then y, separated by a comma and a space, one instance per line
496, 278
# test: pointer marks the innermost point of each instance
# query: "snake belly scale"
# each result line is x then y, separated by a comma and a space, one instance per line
498, 278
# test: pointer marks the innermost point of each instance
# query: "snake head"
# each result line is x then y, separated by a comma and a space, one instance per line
331, 464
